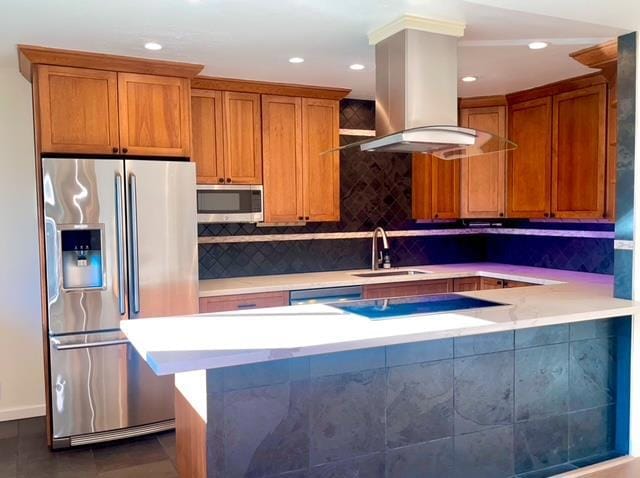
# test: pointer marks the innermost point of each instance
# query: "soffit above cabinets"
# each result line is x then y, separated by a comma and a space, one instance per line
254, 39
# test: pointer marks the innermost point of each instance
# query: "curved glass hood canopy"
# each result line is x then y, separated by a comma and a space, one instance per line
417, 93
444, 142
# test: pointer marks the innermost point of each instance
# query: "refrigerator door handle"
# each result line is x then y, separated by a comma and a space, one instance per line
120, 244
88, 345
135, 263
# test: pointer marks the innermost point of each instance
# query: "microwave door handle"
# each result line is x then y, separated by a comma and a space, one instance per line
120, 244
135, 264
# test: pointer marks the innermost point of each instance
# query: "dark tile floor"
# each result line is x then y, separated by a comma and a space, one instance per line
24, 454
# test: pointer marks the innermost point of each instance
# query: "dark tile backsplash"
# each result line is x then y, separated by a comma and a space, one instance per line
375, 190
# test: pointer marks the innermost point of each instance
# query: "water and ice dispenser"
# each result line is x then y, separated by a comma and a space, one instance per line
82, 258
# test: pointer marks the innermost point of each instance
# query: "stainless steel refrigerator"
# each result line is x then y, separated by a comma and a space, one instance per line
121, 244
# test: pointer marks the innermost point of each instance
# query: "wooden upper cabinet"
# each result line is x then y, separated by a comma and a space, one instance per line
207, 144
321, 172
78, 110
445, 190
529, 165
282, 154
579, 153
154, 115
482, 178
435, 188
242, 138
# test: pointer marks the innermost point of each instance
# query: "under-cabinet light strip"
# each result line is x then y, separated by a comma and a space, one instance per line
406, 233
357, 132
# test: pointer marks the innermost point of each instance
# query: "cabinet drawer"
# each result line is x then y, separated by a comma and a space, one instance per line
465, 284
516, 283
244, 301
405, 289
491, 283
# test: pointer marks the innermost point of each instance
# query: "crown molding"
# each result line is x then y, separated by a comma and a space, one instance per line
413, 22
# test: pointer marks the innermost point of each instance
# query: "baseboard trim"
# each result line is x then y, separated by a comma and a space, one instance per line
22, 412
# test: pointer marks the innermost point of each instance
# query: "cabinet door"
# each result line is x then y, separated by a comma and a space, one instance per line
406, 289
465, 284
154, 115
206, 129
78, 110
529, 165
242, 139
421, 186
282, 152
321, 172
491, 283
482, 177
445, 189
578, 156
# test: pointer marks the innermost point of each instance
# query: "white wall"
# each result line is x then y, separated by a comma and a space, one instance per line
21, 369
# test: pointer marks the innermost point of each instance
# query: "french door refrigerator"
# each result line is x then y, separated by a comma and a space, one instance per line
121, 244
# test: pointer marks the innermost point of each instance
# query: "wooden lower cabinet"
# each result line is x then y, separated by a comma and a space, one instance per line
466, 284
243, 301
491, 283
405, 289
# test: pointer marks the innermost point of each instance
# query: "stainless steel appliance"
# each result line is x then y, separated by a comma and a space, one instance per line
325, 295
230, 203
121, 244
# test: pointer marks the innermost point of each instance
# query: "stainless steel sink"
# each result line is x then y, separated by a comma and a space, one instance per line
384, 273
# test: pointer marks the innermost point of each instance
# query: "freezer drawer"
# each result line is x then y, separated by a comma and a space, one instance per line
100, 383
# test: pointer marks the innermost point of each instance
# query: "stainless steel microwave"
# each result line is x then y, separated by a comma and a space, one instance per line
230, 203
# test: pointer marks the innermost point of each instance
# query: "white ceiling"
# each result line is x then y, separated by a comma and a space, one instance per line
254, 38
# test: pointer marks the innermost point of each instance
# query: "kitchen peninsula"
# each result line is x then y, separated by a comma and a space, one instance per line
535, 383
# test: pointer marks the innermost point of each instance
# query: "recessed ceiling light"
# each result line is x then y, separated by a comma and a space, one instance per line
538, 45
151, 45
356, 67
469, 79
296, 59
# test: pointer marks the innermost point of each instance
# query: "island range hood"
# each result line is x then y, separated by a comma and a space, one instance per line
417, 93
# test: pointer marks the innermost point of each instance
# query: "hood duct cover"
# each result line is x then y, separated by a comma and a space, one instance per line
417, 93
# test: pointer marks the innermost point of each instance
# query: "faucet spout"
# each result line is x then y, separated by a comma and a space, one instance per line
379, 258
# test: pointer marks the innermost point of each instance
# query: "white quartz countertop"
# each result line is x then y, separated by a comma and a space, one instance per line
315, 280
204, 341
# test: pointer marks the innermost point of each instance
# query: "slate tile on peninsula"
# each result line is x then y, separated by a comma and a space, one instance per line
347, 362
416, 352
347, 415
486, 454
368, 466
483, 344
591, 432
419, 403
483, 389
537, 336
592, 373
266, 430
541, 443
593, 329
542, 381
433, 459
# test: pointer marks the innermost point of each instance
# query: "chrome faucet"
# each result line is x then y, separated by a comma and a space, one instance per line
380, 258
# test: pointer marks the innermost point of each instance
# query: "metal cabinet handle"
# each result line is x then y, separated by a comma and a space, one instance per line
247, 306
120, 244
135, 269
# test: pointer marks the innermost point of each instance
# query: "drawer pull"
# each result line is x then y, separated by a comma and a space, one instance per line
247, 306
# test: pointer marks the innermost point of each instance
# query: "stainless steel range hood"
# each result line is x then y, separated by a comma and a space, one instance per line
417, 93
